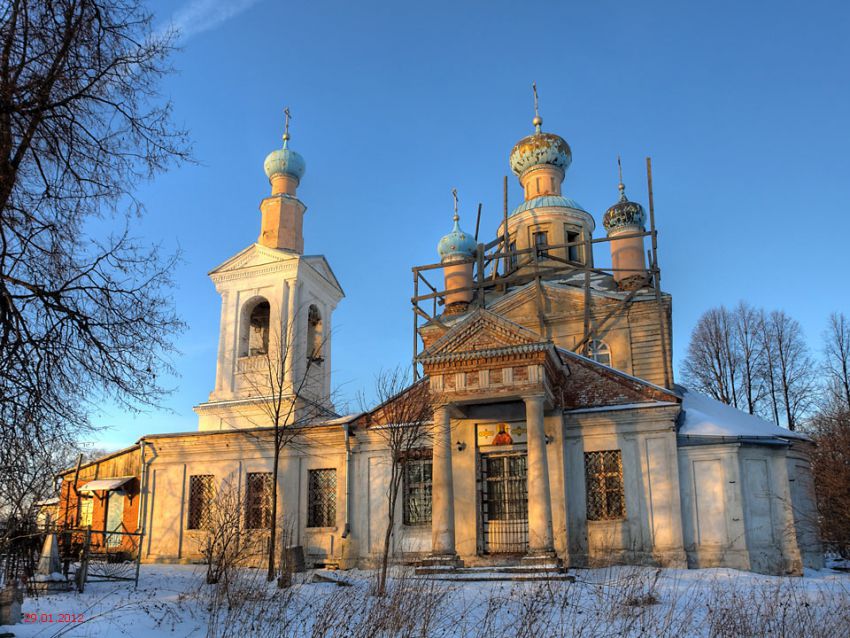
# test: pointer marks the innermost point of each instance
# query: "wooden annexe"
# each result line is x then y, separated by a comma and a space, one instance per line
103, 495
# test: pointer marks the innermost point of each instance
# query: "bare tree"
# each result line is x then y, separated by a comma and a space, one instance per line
82, 316
404, 421
837, 359
747, 328
791, 366
768, 363
288, 400
713, 361
225, 543
830, 430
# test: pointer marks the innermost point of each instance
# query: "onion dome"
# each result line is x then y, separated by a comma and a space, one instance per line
457, 244
539, 149
284, 161
624, 214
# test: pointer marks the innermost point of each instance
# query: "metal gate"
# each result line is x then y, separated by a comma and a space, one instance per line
504, 503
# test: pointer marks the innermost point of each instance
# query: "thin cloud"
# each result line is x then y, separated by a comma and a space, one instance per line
198, 16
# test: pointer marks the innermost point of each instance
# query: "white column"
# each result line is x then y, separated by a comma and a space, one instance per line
442, 494
539, 499
290, 333
222, 341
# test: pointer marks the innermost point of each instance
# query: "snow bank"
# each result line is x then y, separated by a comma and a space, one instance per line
703, 416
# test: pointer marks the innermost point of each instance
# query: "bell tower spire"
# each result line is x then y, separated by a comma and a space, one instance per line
283, 212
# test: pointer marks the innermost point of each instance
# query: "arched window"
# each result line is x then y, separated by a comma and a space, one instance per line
258, 329
315, 338
599, 351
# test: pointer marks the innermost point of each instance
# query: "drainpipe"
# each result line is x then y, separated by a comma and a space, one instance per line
143, 506
347, 429
140, 522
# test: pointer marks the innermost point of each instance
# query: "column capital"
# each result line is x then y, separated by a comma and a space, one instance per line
531, 396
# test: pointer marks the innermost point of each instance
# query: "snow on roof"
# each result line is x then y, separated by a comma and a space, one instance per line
106, 484
704, 416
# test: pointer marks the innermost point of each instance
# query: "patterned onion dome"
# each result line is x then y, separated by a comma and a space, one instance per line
457, 244
540, 148
284, 161
624, 213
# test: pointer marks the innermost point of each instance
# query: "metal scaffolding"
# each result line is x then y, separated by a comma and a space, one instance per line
496, 267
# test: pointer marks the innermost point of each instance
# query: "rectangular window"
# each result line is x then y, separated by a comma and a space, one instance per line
541, 241
86, 504
574, 252
512, 259
201, 493
417, 488
321, 498
603, 472
258, 500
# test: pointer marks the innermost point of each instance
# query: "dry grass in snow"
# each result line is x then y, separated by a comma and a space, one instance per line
615, 601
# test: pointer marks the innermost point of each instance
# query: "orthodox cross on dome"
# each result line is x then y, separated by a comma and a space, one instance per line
286, 117
621, 186
454, 196
537, 121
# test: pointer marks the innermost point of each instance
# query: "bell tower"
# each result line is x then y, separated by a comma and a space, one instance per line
276, 314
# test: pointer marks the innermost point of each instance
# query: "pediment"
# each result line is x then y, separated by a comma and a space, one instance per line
253, 256
321, 266
482, 331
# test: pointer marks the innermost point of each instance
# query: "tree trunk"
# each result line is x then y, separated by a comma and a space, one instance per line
272, 533
392, 496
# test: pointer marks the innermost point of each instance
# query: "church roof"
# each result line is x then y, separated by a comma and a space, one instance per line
551, 201
707, 417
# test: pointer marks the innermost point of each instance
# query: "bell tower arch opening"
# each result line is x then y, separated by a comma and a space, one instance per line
315, 335
256, 320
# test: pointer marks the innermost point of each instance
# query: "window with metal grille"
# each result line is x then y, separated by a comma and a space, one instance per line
603, 473
417, 489
599, 351
321, 498
258, 500
201, 493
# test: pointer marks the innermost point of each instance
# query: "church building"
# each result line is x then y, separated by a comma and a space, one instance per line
557, 437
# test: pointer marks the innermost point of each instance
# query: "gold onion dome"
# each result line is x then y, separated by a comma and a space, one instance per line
539, 149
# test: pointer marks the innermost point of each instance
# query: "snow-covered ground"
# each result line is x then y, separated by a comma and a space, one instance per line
618, 601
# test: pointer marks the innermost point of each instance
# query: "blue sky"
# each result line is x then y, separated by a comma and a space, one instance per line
743, 108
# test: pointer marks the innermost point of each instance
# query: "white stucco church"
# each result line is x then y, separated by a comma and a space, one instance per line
559, 435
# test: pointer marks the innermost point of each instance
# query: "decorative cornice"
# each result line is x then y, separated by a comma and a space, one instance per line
488, 353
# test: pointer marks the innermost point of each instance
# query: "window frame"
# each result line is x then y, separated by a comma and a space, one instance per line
419, 492
199, 512
513, 261
258, 506
597, 347
541, 250
596, 478
575, 254
89, 509
321, 512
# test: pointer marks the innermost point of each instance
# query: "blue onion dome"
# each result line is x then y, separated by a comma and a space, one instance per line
457, 244
284, 161
540, 148
624, 214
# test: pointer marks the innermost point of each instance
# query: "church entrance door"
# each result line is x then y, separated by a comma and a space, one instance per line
504, 503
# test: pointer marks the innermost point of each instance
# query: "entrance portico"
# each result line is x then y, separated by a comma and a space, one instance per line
506, 367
